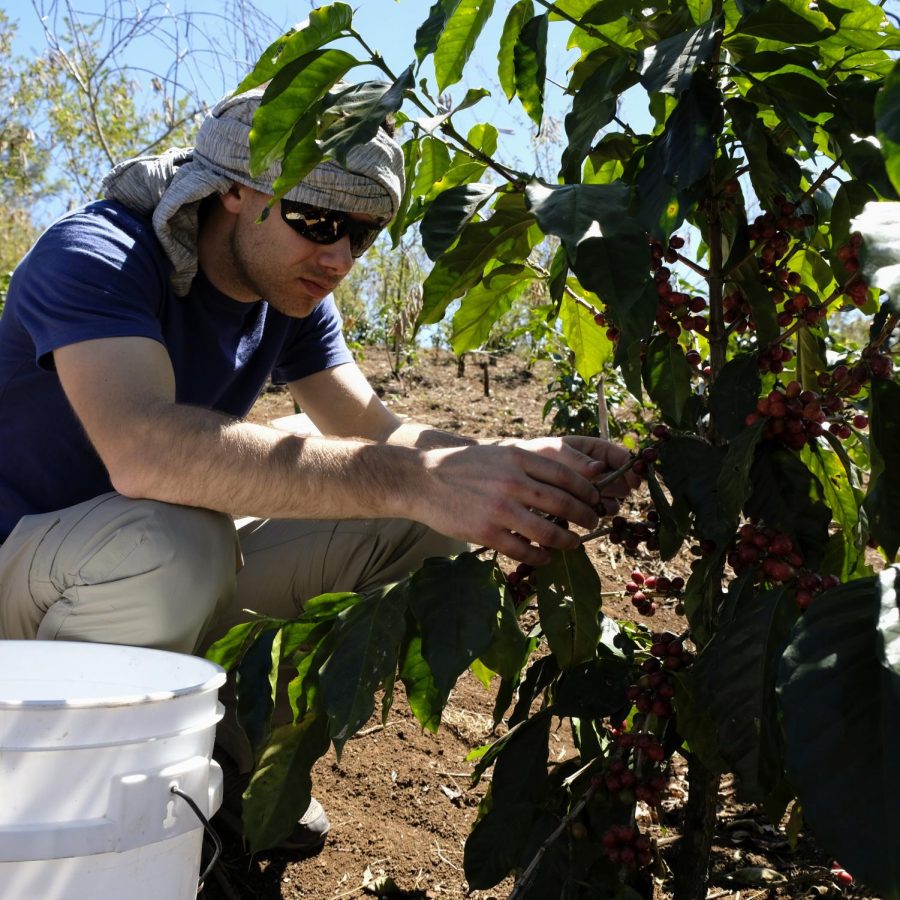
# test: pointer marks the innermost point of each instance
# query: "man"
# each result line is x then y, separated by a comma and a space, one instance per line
138, 332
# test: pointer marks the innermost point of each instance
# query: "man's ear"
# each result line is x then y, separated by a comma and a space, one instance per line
234, 198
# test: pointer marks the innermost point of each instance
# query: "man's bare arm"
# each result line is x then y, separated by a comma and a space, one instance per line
123, 391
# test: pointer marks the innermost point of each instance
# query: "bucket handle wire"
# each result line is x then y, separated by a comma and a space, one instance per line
217, 841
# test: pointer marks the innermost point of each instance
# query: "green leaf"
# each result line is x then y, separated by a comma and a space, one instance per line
412, 155
733, 395
455, 602
634, 312
429, 32
882, 503
568, 592
734, 678
229, 649
667, 378
840, 698
431, 169
887, 112
843, 498
425, 700
510, 648
593, 108
457, 40
503, 236
354, 115
530, 59
746, 279
324, 25
849, 202
787, 21
279, 790
588, 341
366, 644
449, 213
288, 98
669, 66
485, 303
518, 15
695, 724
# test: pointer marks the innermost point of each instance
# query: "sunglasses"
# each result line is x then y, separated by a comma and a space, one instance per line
327, 226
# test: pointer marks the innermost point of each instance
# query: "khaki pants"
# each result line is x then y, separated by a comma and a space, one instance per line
153, 574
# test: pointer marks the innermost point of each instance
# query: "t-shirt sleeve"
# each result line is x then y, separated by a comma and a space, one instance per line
317, 343
94, 274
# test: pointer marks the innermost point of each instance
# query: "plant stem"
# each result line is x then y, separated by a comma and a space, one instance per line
698, 830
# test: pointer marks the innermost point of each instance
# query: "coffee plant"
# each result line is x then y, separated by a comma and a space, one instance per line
706, 260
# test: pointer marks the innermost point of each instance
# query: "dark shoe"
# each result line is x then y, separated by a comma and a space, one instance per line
309, 834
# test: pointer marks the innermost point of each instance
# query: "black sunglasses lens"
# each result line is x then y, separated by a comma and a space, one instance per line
325, 226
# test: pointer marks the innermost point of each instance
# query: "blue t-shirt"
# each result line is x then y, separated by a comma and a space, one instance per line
100, 272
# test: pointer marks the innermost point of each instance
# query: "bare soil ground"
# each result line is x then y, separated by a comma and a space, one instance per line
400, 800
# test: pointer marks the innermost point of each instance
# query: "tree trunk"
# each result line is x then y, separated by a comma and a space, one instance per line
692, 869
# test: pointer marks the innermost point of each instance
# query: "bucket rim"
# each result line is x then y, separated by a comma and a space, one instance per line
127, 695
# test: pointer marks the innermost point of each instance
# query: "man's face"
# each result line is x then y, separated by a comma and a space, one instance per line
270, 260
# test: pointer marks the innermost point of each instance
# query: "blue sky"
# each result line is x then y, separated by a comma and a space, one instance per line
389, 26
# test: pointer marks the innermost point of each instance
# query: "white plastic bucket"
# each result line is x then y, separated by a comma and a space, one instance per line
93, 737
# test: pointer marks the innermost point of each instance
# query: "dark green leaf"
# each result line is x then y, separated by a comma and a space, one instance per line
734, 481
429, 32
593, 689
662, 206
690, 469
493, 847
539, 675
788, 21
734, 678
849, 201
520, 769
530, 58
457, 40
255, 688
866, 163
746, 279
733, 395
449, 213
887, 111
667, 378
367, 638
689, 140
279, 790
456, 602
883, 500
503, 236
772, 171
593, 108
669, 66
787, 496
672, 531
841, 705
695, 724
568, 592
518, 15
322, 26
412, 154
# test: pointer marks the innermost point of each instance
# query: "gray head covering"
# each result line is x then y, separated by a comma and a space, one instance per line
170, 187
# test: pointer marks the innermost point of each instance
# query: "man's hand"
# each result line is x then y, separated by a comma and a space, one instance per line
511, 495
